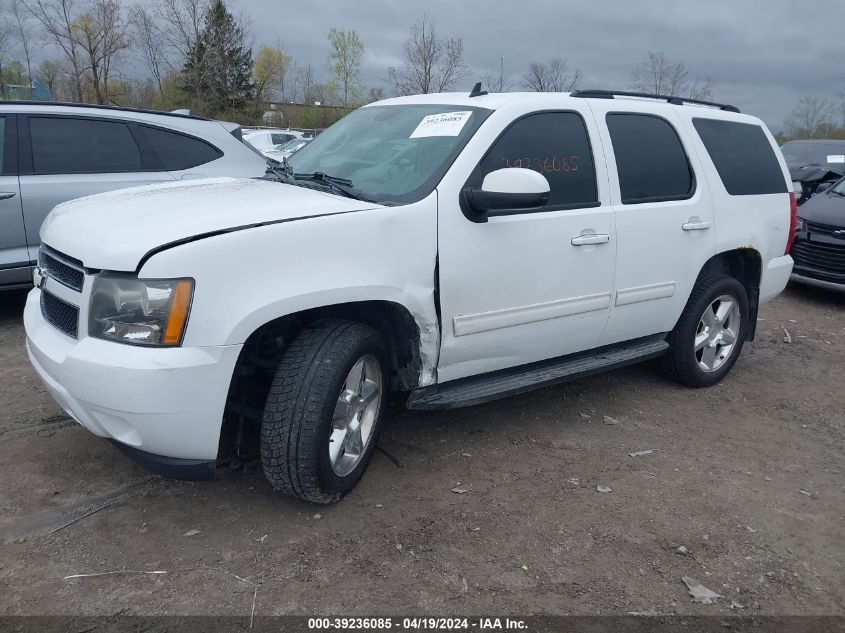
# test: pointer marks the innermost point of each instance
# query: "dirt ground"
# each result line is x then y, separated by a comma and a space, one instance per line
747, 476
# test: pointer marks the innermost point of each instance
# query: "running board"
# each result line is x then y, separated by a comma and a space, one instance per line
508, 382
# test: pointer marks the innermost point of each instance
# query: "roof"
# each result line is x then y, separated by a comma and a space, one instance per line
92, 106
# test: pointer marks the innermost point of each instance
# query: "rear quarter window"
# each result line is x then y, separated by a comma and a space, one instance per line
179, 151
743, 157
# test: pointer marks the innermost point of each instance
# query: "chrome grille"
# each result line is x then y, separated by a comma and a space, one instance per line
60, 314
66, 270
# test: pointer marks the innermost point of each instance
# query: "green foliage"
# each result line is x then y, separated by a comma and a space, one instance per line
345, 52
218, 72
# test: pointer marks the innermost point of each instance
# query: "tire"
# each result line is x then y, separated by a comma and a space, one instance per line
304, 398
708, 365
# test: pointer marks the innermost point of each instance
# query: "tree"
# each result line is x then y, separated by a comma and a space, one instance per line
271, 68
101, 36
223, 61
551, 76
344, 63
375, 93
812, 117
432, 63
56, 19
5, 43
150, 40
50, 73
659, 75
21, 23
309, 89
181, 27
498, 80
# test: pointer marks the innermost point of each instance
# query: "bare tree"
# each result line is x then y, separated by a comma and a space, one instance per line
551, 76
5, 44
841, 98
497, 80
375, 93
182, 27
345, 52
101, 36
21, 22
811, 118
57, 20
150, 40
660, 75
50, 74
432, 63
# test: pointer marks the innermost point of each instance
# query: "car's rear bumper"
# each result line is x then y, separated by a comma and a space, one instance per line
775, 276
162, 404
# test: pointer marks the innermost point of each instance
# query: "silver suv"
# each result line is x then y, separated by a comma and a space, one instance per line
50, 153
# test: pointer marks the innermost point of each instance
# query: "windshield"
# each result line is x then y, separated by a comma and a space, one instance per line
828, 155
392, 154
839, 187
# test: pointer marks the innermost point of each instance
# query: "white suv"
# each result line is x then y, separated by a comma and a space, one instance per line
448, 248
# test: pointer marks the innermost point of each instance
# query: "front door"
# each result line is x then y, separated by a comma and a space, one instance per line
529, 286
14, 258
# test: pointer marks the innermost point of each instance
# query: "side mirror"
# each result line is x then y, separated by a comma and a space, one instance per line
509, 190
823, 186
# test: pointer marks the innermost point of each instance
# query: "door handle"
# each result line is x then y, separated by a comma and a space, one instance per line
7, 194
694, 224
587, 240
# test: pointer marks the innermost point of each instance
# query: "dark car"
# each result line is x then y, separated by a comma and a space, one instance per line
819, 248
813, 164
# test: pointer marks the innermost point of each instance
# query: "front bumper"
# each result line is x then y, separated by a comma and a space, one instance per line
803, 277
157, 403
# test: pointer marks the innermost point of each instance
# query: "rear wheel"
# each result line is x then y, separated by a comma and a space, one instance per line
709, 336
323, 411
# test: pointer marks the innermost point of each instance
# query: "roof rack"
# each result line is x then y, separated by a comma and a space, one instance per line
610, 94
95, 106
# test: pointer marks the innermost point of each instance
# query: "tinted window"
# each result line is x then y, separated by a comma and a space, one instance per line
82, 146
651, 161
177, 151
278, 139
556, 145
743, 157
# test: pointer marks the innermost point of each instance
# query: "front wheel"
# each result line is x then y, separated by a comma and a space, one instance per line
709, 336
324, 409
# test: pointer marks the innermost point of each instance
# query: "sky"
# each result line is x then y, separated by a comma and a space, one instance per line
763, 55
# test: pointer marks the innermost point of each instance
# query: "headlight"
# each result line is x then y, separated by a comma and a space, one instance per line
801, 225
152, 312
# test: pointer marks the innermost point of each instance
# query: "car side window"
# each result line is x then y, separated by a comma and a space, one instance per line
650, 159
179, 151
64, 145
555, 144
743, 156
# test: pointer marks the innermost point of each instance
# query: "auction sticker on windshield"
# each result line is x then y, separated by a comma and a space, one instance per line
443, 124
836, 158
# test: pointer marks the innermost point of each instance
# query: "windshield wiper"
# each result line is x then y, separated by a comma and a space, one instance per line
341, 185
282, 170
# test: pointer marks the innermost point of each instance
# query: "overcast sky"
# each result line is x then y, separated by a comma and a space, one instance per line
762, 54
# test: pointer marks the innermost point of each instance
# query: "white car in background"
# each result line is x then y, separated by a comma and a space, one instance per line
286, 150
268, 139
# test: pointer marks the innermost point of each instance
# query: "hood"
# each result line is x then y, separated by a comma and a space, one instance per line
113, 231
824, 208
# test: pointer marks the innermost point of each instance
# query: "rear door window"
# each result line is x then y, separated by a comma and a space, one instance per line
743, 156
64, 145
650, 159
555, 144
179, 151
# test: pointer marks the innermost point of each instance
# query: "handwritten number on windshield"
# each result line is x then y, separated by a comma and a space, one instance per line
544, 164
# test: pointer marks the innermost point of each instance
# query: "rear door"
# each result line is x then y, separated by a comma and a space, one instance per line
665, 221
14, 258
68, 157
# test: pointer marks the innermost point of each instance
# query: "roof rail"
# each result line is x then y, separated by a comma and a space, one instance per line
610, 94
95, 106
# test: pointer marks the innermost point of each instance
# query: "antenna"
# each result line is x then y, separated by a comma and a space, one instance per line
477, 91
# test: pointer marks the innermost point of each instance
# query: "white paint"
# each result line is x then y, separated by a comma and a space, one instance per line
628, 296
515, 180
508, 317
442, 124
513, 290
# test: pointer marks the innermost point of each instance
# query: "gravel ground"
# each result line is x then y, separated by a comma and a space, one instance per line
746, 476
